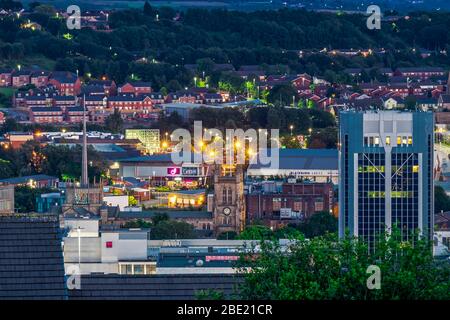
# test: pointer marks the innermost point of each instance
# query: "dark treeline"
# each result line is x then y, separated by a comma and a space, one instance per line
220, 36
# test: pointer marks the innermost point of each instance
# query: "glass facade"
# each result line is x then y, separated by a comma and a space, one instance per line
371, 195
405, 192
386, 173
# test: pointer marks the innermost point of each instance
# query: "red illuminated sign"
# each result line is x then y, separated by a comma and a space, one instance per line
173, 171
109, 244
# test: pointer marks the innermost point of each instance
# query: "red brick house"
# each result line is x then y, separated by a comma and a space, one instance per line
46, 115
39, 100
67, 83
95, 102
294, 201
20, 78
420, 72
130, 104
40, 78
64, 101
74, 114
109, 86
5, 78
156, 97
136, 87
184, 97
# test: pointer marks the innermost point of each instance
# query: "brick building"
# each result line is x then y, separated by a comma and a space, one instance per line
278, 204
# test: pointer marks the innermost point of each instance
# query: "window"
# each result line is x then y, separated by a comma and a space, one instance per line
399, 140
410, 140
276, 204
377, 141
415, 169
138, 269
388, 140
404, 140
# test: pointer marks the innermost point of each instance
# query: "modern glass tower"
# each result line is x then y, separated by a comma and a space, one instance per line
385, 173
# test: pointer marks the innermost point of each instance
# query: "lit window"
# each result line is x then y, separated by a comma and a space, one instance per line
399, 140
377, 141
371, 140
404, 140
388, 140
409, 140
415, 169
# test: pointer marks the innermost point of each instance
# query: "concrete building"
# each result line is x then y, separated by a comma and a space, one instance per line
278, 204
386, 173
160, 170
319, 165
121, 251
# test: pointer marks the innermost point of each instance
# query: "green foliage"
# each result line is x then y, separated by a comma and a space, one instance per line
319, 224
114, 122
282, 95
162, 227
60, 161
25, 197
228, 235
441, 200
324, 268
172, 229
210, 294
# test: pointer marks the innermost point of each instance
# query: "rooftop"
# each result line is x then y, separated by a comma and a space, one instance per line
31, 260
300, 159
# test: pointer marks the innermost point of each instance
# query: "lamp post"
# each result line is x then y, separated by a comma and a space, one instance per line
291, 127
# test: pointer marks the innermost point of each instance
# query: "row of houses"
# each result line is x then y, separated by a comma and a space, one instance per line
411, 72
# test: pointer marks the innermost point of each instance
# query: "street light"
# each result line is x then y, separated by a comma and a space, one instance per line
310, 131
291, 127
195, 82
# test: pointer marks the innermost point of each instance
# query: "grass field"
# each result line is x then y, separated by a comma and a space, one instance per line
7, 92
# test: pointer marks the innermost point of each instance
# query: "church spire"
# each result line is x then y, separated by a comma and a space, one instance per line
84, 168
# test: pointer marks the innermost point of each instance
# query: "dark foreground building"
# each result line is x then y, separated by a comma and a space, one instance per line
386, 173
31, 259
154, 287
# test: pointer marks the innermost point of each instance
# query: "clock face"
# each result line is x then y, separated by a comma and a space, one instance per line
226, 211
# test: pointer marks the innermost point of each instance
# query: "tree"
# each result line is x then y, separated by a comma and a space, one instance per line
25, 198
441, 200
148, 10
256, 232
319, 224
228, 235
114, 122
172, 229
325, 268
282, 95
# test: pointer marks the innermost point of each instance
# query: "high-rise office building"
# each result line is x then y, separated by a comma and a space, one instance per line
385, 173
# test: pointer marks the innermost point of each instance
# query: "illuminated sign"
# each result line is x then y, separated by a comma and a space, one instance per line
173, 171
190, 171
221, 258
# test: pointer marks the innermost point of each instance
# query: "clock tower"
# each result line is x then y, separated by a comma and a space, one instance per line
229, 202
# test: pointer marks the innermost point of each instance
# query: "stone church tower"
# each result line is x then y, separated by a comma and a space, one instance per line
229, 201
